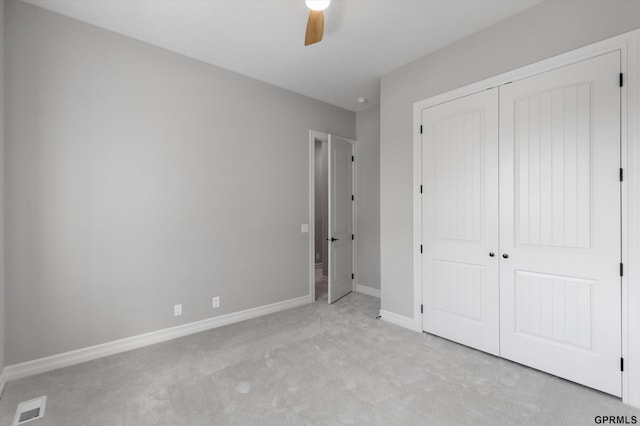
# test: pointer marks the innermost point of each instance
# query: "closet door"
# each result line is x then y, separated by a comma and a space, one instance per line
560, 282
460, 220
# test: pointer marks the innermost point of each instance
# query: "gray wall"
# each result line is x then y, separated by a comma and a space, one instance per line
368, 198
2, 271
546, 30
137, 179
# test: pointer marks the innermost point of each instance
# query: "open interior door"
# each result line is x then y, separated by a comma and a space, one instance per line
340, 217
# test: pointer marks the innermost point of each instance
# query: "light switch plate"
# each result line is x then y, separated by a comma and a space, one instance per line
305, 228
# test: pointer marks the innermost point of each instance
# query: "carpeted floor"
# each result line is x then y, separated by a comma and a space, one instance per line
317, 364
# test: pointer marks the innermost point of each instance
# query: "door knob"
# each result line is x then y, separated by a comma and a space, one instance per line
332, 239
506, 256
492, 254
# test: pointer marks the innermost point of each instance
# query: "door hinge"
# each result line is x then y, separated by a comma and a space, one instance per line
421, 189
353, 237
621, 80
353, 159
422, 309
353, 197
621, 174
621, 364
421, 129
420, 248
621, 269
353, 276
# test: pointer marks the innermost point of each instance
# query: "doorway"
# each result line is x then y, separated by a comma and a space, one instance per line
332, 218
321, 194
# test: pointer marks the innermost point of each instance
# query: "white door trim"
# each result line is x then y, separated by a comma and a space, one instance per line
629, 46
313, 136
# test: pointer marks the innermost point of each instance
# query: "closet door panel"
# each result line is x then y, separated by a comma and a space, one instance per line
460, 220
560, 285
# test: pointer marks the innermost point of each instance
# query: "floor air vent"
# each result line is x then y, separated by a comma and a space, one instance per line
30, 410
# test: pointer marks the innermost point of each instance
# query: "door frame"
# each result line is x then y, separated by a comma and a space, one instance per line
324, 137
629, 46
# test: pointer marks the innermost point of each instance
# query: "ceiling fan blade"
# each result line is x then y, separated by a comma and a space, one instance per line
315, 27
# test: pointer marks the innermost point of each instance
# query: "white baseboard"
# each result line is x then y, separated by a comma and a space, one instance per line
401, 320
375, 292
77, 356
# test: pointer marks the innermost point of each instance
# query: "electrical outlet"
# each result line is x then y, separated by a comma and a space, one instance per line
177, 310
215, 302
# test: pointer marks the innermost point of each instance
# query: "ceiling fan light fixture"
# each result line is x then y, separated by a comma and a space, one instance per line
317, 4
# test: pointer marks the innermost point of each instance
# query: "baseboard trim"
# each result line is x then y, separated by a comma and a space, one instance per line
78, 356
375, 292
401, 320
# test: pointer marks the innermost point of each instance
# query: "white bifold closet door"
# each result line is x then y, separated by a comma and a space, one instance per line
560, 286
521, 221
460, 220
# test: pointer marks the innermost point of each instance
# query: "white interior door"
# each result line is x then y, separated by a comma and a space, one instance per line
560, 285
340, 218
460, 220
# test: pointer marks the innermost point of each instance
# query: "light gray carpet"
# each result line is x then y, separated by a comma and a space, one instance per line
317, 365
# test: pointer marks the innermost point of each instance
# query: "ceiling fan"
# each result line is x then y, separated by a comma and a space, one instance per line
315, 23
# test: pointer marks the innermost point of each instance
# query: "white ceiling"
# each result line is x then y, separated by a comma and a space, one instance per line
264, 39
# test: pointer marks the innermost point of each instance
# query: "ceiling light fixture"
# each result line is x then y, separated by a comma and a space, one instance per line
315, 23
317, 4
